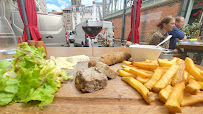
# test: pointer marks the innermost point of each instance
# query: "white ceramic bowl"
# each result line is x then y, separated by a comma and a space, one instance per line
143, 52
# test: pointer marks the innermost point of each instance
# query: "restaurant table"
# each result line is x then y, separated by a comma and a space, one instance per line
193, 48
118, 97
71, 51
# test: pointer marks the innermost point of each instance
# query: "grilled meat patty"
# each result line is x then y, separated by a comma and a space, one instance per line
90, 80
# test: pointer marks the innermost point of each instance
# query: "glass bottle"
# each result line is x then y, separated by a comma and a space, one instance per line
8, 41
5, 27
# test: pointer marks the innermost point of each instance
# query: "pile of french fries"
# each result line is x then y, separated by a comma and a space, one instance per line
178, 82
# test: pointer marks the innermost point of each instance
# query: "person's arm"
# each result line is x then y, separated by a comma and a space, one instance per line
180, 35
176, 33
185, 38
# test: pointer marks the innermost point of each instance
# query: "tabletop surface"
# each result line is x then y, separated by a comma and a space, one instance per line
190, 46
71, 51
117, 97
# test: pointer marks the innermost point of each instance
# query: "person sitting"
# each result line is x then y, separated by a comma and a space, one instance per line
166, 24
176, 33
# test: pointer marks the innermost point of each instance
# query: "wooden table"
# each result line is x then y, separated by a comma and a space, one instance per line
71, 51
118, 97
192, 48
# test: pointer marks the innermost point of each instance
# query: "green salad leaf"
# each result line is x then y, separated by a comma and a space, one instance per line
8, 85
44, 93
31, 77
3, 65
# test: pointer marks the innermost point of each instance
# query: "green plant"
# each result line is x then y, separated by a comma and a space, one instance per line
191, 30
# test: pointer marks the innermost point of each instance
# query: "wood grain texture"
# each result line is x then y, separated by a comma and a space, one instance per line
190, 46
118, 97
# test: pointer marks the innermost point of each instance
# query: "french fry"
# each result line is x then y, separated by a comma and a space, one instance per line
127, 62
185, 75
178, 60
165, 59
155, 78
125, 66
147, 71
127, 69
178, 77
174, 100
154, 61
164, 63
190, 76
192, 99
193, 86
144, 70
165, 69
146, 94
201, 72
192, 69
125, 74
201, 83
145, 65
142, 80
169, 83
167, 63
150, 61
165, 79
174, 60
140, 73
164, 93
147, 61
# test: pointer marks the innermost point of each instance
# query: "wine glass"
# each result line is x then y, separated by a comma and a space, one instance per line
92, 29
8, 46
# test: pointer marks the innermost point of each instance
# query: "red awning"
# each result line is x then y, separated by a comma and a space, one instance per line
31, 13
137, 22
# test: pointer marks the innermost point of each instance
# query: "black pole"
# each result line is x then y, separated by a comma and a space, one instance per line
134, 18
123, 24
22, 4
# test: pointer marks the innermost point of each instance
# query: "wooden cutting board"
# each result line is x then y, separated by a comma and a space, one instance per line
117, 97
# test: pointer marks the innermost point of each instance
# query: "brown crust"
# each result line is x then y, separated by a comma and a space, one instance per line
110, 59
90, 80
105, 69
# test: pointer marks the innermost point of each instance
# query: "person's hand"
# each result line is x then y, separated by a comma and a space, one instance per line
175, 51
185, 38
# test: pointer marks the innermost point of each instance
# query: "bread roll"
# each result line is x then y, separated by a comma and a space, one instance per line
110, 59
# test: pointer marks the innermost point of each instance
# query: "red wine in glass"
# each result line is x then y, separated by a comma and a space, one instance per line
92, 31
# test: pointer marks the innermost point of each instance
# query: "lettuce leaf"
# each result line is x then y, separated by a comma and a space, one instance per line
44, 93
3, 65
8, 89
27, 80
8, 86
31, 77
27, 57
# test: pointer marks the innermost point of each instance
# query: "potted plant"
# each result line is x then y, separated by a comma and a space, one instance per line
191, 31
